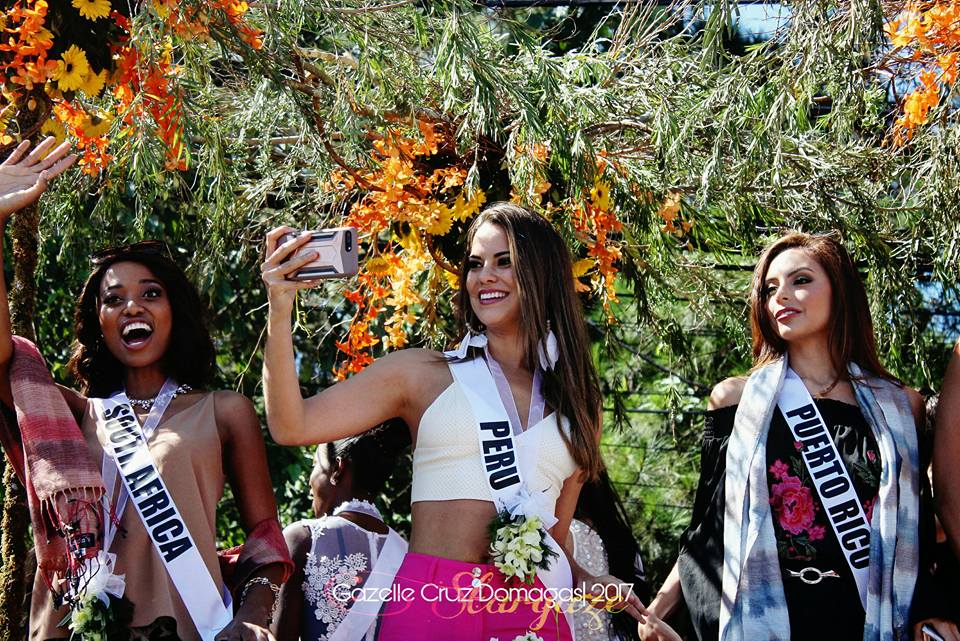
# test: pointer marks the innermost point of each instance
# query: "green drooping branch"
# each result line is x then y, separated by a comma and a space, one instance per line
788, 133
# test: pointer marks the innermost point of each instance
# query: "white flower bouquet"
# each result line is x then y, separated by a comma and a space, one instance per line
518, 546
91, 619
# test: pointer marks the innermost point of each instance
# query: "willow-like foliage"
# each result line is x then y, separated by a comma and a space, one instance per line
792, 133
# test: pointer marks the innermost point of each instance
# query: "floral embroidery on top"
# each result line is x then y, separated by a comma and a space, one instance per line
327, 581
796, 508
793, 504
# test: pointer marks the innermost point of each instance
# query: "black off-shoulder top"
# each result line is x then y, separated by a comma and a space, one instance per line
827, 610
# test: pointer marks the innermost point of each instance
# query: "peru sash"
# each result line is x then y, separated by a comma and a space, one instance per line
504, 464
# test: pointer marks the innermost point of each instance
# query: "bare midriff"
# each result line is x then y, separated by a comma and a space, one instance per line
452, 529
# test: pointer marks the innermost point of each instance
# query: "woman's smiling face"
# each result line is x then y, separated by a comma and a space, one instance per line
798, 295
491, 280
135, 314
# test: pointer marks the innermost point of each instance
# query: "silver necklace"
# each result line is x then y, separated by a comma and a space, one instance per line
147, 403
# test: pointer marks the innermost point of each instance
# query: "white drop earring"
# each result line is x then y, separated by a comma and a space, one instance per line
548, 350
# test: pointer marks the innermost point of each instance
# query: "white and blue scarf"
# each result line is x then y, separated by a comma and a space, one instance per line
753, 605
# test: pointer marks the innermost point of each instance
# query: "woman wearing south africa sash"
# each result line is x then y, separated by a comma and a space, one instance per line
507, 423
807, 522
149, 440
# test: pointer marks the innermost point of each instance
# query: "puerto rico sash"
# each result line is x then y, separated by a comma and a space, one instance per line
127, 446
753, 604
830, 477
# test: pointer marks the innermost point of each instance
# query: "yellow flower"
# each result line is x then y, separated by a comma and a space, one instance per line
581, 267
452, 279
41, 36
72, 68
92, 9
53, 127
93, 83
442, 221
600, 195
464, 209
162, 7
378, 266
166, 51
407, 236
96, 125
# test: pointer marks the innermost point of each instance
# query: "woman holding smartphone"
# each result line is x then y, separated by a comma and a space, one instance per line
142, 354
519, 400
807, 520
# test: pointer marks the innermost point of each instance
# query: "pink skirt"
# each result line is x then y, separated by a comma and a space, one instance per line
434, 598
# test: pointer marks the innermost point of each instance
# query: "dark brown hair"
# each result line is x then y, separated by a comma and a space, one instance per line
850, 334
189, 357
544, 274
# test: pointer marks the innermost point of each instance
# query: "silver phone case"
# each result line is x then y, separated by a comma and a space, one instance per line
337, 249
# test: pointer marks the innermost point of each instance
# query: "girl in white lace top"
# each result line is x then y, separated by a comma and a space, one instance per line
335, 552
602, 542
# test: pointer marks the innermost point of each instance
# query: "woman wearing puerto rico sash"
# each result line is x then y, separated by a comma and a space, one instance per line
506, 428
807, 523
125, 475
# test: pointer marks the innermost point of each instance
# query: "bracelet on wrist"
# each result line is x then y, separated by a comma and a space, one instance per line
260, 580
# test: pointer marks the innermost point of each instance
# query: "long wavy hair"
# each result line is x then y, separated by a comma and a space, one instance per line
850, 334
190, 356
547, 294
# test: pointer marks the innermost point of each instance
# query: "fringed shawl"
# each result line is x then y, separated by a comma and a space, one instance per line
63, 483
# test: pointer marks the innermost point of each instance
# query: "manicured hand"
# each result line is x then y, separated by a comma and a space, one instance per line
22, 180
274, 270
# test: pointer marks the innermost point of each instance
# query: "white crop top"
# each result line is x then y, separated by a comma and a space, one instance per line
446, 459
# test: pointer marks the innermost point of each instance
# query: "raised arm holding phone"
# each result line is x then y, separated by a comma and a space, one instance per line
512, 308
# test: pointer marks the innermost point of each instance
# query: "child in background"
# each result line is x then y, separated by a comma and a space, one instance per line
336, 552
602, 542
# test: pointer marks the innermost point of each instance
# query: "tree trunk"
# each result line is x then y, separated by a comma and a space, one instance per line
24, 228
14, 551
